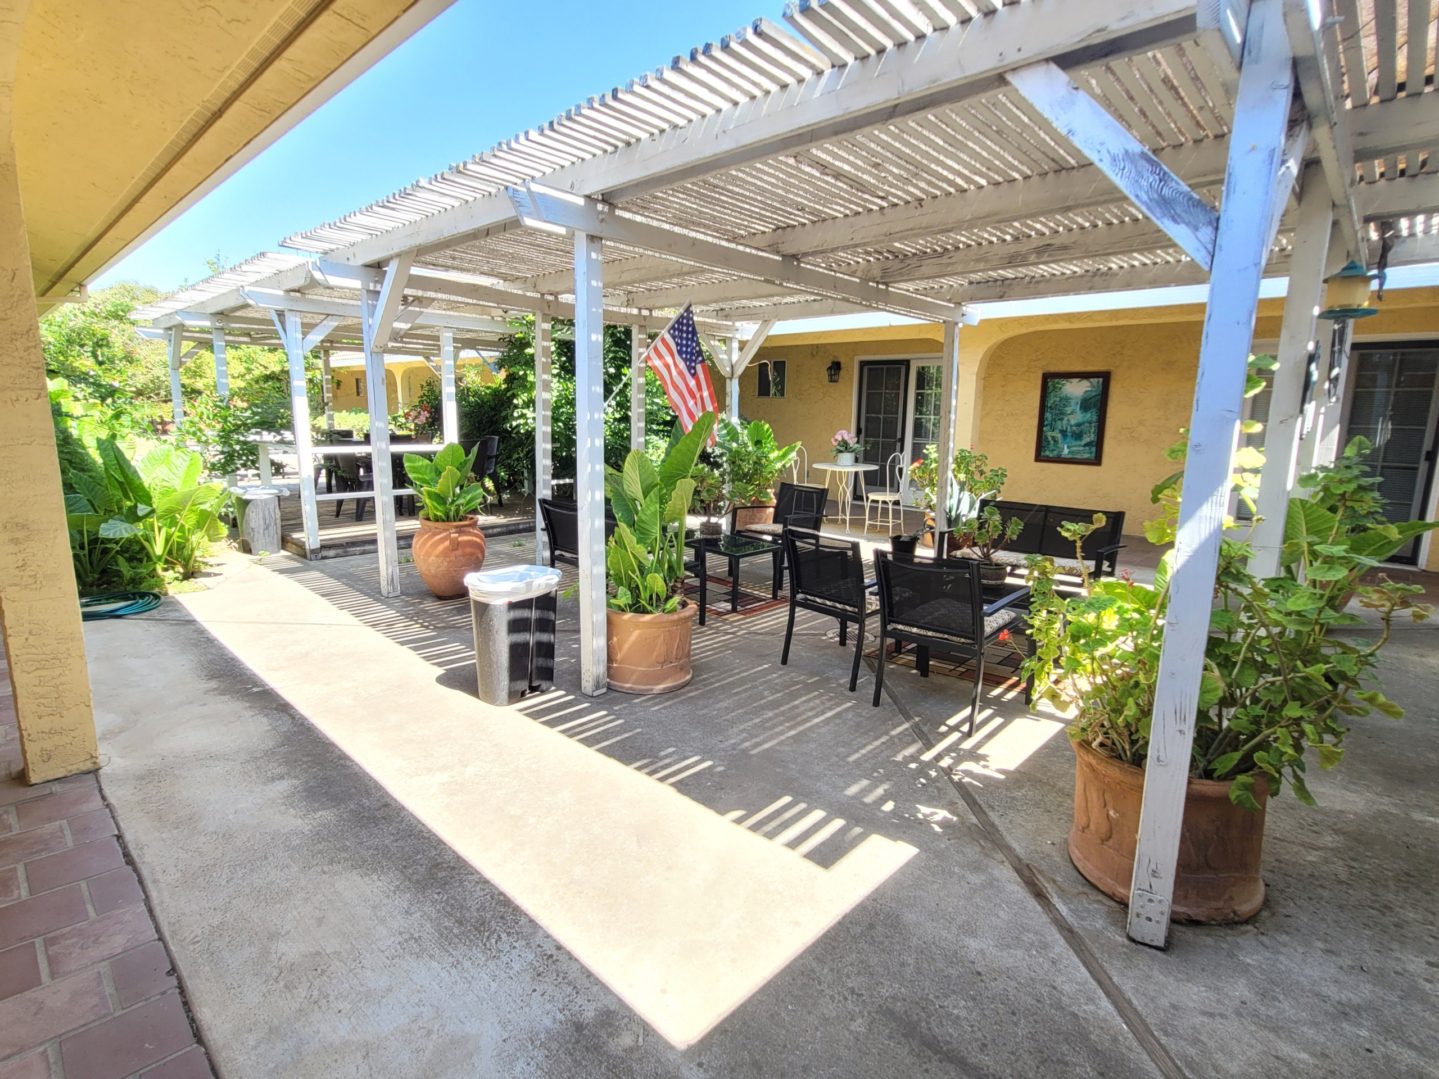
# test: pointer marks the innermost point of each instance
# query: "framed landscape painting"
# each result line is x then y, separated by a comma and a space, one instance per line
1071, 417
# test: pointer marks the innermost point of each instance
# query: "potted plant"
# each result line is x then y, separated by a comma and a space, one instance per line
844, 446
1280, 675
751, 460
710, 501
449, 543
974, 533
649, 622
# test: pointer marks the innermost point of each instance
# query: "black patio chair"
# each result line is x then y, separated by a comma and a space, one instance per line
826, 576
487, 464
936, 605
796, 505
561, 522
350, 479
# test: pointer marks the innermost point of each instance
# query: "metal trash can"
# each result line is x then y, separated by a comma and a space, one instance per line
512, 611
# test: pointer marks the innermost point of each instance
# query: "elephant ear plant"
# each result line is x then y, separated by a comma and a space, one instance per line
445, 484
1285, 662
645, 555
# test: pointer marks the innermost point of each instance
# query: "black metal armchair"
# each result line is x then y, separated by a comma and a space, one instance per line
826, 576
350, 479
936, 605
796, 505
561, 522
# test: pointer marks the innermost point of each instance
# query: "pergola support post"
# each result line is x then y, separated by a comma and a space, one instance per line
378, 406
449, 399
177, 351
1296, 337
590, 457
733, 378
222, 367
948, 407
1241, 248
639, 342
300, 426
327, 389
544, 429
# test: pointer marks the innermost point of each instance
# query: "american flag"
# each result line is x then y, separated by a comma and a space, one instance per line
677, 361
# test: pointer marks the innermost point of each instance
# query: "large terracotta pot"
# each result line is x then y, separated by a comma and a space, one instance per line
650, 653
444, 551
749, 516
1220, 843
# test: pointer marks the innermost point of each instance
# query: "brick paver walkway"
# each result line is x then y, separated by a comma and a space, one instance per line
86, 987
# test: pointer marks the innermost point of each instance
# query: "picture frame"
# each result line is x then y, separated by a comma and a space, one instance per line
1073, 406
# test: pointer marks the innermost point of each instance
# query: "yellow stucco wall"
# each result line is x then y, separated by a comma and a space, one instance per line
1152, 354
412, 376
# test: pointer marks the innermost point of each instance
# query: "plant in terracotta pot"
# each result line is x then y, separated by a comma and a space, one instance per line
1282, 671
449, 543
649, 622
751, 460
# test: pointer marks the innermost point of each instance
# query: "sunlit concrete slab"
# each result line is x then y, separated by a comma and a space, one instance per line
364, 871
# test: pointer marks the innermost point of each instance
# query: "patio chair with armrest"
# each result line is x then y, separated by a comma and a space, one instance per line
796, 505
561, 522
347, 467
487, 464
936, 605
826, 576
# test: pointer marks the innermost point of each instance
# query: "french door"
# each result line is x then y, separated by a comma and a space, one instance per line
1395, 405
924, 406
881, 416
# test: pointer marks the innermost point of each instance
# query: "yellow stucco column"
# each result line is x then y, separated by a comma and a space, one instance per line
44, 642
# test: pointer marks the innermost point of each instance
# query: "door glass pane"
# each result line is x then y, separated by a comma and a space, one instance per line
881, 421
1394, 408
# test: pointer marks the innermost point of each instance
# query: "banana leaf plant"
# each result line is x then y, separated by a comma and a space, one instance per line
446, 484
645, 557
151, 519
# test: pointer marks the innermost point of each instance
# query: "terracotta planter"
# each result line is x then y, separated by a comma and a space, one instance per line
749, 516
444, 551
650, 653
1220, 844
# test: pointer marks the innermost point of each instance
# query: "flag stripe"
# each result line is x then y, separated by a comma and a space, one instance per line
679, 364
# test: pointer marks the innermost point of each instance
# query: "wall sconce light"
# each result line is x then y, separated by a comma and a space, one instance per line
1347, 295
832, 371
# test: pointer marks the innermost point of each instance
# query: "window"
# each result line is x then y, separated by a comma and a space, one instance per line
358, 388
771, 378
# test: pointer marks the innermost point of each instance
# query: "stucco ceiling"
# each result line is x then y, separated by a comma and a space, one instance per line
126, 112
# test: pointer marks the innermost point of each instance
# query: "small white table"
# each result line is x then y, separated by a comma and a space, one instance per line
844, 482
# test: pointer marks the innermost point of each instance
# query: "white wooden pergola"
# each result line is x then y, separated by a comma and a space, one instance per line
923, 156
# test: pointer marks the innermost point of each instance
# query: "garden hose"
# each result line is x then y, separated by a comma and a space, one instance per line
117, 604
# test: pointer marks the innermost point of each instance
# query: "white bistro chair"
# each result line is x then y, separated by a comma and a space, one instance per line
884, 500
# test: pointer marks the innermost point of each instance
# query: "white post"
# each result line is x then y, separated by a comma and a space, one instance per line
327, 389
1256, 146
222, 369
177, 397
734, 373
300, 424
590, 457
449, 401
639, 341
1301, 305
1335, 339
378, 406
544, 433
948, 406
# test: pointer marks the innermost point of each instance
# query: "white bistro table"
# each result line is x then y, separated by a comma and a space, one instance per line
844, 483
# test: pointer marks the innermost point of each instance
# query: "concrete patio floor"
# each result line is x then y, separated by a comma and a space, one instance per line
362, 870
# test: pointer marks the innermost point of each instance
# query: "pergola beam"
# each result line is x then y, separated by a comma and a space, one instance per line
392, 292
346, 310
1135, 170
546, 208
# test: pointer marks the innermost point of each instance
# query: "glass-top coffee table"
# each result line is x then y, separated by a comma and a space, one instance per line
734, 549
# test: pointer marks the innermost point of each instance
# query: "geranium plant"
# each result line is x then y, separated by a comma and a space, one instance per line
1281, 673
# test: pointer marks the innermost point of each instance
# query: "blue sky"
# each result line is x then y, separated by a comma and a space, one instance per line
480, 72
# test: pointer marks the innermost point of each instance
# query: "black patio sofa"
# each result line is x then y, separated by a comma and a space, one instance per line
1041, 536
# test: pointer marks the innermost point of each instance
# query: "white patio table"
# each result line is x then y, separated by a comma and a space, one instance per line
843, 477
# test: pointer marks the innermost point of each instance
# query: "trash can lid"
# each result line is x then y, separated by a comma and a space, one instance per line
511, 583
